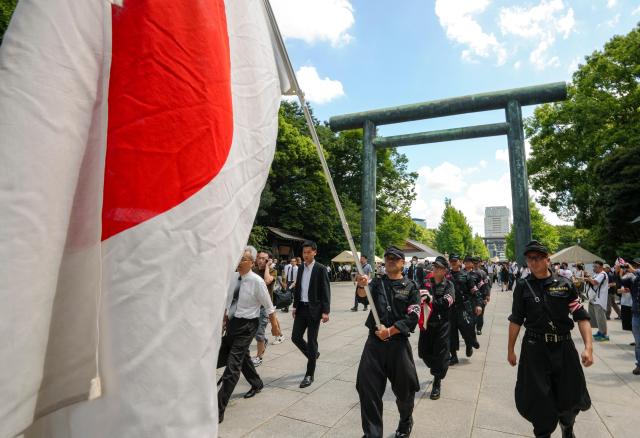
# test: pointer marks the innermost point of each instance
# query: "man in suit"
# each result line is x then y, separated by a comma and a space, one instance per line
311, 304
416, 272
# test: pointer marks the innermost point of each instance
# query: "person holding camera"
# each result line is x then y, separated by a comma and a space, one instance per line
630, 283
597, 292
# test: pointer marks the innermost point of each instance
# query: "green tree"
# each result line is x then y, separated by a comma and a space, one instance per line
297, 198
541, 230
422, 235
6, 10
569, 235
453, 235
479, 248
585, 150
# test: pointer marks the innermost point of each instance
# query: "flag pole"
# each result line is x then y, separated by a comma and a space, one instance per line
314, 136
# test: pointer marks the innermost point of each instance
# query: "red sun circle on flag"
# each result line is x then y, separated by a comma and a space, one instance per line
170, 110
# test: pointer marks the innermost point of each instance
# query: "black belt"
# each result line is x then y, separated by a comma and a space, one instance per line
548, 337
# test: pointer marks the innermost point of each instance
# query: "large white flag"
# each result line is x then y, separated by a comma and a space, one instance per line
135, 140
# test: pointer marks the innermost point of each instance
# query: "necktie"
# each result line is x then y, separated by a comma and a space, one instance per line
234, 302
291, 273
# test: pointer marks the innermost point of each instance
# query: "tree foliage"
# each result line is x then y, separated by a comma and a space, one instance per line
422, 235
6, 10
454, 235
541, 230
297, 198
585, 157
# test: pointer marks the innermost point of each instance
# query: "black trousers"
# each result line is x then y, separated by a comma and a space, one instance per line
234, 355
465, 325
380, 361
433, 348
305, 321
551, 387
480, 319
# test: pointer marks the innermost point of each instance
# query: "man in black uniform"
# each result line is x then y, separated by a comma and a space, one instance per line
387, 351
466, 308
433, 345
551, 387
485, 292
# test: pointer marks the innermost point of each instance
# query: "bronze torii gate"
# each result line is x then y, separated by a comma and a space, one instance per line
511, 100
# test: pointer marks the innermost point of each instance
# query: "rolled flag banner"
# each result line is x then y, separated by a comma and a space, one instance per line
135, 139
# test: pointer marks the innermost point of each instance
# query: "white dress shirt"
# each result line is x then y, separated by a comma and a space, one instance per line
287, 270
253, 294
306, 277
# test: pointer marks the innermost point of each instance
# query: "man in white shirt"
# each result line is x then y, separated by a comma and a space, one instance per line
290, 277
247, 293
598, 294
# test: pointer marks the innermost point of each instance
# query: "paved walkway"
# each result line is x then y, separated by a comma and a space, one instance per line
477, 395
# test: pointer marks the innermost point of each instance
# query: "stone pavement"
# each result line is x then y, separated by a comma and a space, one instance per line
477, 395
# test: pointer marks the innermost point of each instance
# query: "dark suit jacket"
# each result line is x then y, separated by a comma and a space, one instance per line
319, 290
420, 277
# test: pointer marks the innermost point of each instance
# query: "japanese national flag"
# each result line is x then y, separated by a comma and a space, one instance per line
135, 140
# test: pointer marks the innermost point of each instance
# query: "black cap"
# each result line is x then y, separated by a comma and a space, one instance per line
441, 261
468, 258
394, 250
536, 246
454, 256
476, 259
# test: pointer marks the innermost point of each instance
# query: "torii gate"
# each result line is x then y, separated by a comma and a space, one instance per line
511, 100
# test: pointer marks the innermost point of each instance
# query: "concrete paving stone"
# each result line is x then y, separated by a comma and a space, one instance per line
623, 421
444, 417
477, 393
479, 432
285, 426
326, 405
246, 414
325, 372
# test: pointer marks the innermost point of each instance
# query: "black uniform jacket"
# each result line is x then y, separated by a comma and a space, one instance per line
397, 303
464, 285
562, 300
442, 297
319, 290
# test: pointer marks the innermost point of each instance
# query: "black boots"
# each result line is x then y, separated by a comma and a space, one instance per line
435, 389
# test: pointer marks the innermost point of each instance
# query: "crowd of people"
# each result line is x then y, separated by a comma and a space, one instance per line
445, 299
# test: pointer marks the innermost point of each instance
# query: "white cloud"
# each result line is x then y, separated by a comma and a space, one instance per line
458, 18
574, 64
541, 24
502, 155
611, 3
517, 65
315, 20
316, 89
636, 11
611, 23
471, 199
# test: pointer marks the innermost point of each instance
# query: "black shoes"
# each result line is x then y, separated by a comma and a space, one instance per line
469, 350
354, 308
220, 417
253, 391
404, 431
435, 390
364, 309
453, 360
476, 345
307, 381
478, 332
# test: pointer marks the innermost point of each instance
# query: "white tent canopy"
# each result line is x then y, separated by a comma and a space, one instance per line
347, 257
574, 254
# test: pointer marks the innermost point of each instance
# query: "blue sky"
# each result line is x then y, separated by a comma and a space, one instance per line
355, 55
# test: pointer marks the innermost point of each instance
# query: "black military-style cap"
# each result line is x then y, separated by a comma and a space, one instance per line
468, 258
454, 256
535, 246
394, 250
441, 261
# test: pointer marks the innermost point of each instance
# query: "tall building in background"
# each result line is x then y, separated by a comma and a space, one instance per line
497, 222
420, 222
